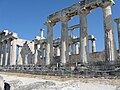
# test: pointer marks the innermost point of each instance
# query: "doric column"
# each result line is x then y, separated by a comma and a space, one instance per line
118, 29
1, 53
93, 45
72, 49
4, 53
39, 54
42, 54
36, 55
76, 48
8, 48
49, 47
58, 51
13, 52
25, 59
84, 46
110, 46
64, 40
19, 58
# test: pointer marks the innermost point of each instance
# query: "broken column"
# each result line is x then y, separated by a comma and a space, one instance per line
110, 46
93, 45
41, 33
118, 29
49, 46
84, 46
64, 40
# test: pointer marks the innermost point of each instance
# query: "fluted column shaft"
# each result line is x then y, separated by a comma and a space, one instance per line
36, 55
76, 48
84, 46
118, 29
110, 46
64, 40
42, 54
4, 53
49, 47
13, 53
0, 53
57, 51
93, 46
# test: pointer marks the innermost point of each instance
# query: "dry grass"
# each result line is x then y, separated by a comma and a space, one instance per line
115, 82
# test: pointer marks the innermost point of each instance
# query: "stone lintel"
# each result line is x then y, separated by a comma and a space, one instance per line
74, 27
9, 36
49, 23
81, 6
20, 42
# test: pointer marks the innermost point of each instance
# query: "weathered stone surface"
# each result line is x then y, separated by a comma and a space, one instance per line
1, 83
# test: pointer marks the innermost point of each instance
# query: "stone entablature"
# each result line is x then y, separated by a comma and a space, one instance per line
81, 7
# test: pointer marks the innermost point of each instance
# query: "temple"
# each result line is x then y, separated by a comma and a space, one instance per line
69, 50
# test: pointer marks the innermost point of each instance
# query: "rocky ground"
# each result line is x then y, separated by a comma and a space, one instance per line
40, 82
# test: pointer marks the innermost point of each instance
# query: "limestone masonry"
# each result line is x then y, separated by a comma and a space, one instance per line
67, 51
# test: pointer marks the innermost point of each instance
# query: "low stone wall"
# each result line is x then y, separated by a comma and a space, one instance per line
1, 83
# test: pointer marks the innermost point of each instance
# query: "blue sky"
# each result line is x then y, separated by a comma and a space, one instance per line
26, 17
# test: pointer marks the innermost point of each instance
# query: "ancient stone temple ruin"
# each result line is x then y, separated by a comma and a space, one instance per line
67, 50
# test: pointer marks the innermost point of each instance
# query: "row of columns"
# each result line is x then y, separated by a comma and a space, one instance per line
8, 52
110, 47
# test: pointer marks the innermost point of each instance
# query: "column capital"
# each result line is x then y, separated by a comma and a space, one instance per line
117, 20
109, 3
64, 18
84, 11
49, 23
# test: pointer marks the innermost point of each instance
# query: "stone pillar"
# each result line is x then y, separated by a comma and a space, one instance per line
1, 58
58, 51
13, 53
118, 29
26, 59
9, 46
4, 53
36, 55
53, 51
42, 55
76, 48
1, 83
84, 46
39, 54
110, 46
0, 53
41, 33
93, 45
72, 49
19, 58
64, 40
49, 47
